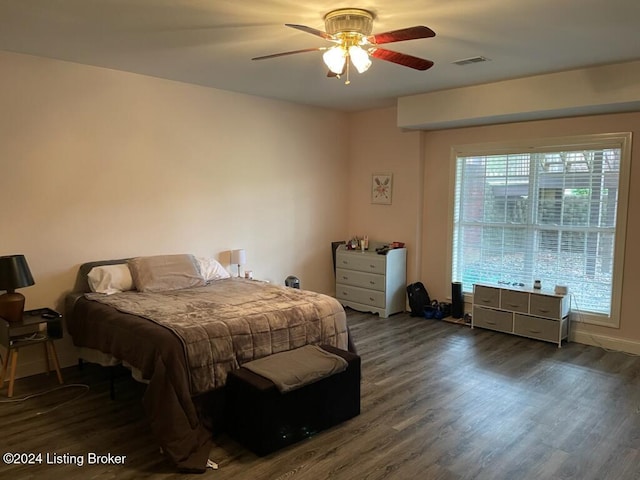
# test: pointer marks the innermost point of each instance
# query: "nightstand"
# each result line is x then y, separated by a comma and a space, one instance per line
40, 326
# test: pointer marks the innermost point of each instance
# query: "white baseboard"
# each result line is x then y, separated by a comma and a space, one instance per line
580, 335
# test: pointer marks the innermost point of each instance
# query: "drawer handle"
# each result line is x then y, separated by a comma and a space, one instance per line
345, 278
534, 331
372, 299
372, 266
489, 322
514, 305
544, 310
345, 262
371, 282
345, 293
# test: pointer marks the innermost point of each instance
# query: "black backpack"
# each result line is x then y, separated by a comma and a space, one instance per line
418, 299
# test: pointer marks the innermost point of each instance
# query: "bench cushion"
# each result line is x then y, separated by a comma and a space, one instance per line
299, 367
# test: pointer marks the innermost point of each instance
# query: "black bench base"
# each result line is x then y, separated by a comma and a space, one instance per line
265, 420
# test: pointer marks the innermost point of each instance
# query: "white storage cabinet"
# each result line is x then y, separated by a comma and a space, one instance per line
369, 282
528, 313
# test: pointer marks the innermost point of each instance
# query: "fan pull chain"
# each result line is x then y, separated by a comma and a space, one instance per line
348, 59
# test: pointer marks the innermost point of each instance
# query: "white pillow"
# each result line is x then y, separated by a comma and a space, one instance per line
211, 270
110, 279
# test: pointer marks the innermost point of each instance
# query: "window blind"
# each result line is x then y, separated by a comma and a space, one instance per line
547, 215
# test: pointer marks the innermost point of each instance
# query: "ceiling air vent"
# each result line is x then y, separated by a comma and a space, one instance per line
469, 61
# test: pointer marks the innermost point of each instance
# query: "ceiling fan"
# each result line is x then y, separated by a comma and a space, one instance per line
350, 30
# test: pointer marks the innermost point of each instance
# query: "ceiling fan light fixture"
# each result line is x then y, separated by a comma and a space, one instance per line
350, 31
335, 58
360, 58
355, 20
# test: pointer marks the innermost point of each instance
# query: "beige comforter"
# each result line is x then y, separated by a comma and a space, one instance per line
234, 321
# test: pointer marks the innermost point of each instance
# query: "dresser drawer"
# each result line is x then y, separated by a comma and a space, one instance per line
364, 262
515, 301
546, 306
487, 296
373, 298
360, 279
536, 327
492, 319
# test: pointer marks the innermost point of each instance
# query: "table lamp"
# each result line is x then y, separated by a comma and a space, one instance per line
14, 273
238, 257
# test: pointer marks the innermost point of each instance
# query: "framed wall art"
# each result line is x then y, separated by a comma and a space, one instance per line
381, 188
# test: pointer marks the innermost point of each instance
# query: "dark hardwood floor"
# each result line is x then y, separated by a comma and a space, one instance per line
439, 401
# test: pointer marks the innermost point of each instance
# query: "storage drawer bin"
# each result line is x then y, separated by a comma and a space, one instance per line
546, 306
514, 301
486, 296
492, 319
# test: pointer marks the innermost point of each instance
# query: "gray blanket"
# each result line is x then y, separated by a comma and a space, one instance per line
297, 368
234, 321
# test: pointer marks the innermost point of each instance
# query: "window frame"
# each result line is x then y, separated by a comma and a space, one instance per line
621, 140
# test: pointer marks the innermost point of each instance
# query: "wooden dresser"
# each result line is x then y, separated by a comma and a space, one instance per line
370, 282
528, 313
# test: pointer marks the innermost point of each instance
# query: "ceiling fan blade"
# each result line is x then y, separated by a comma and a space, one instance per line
282, 54
312, 31
410, 33
401, 59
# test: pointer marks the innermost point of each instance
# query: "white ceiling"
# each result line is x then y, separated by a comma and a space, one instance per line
211, 42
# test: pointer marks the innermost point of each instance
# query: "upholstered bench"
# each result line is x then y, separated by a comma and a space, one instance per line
264, 419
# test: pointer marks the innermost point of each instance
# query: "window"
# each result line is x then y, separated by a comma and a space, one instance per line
554, 211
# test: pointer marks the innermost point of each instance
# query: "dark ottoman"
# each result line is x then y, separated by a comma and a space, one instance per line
264, 420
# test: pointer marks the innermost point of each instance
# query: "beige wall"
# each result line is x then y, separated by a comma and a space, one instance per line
377, 145
583, 91
437, 181
100, 164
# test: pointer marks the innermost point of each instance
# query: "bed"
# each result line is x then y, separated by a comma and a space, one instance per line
181, 323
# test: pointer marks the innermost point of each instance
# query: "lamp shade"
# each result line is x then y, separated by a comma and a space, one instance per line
335, 58
14, 273
238, 257
360, 58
